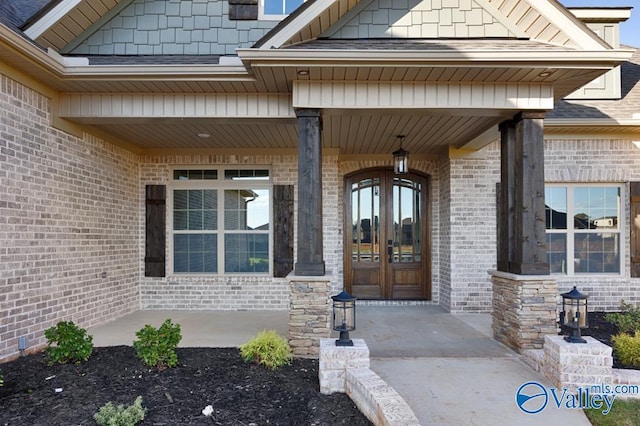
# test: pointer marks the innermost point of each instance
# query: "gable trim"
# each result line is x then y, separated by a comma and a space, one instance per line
49, 19
363, 4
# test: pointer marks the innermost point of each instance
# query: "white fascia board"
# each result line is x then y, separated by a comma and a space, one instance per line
39, 27
154, 72
515, 58
618, 14
591, 122
560, 16
295, 26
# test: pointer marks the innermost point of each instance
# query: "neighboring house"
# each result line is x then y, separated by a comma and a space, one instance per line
195, 154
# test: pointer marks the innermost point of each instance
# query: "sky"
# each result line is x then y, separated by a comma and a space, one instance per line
629, 30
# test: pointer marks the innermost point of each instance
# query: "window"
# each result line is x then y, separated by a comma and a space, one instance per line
583, 228
221, 225
278, 9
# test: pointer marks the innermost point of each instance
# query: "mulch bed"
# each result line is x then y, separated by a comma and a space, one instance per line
240, 393
602, 330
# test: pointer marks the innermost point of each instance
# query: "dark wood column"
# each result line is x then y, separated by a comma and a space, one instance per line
310, 260
506, 193
523, 243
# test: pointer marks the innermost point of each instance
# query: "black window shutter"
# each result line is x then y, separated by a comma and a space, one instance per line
240, 10
155, 251
635, 228
282, 230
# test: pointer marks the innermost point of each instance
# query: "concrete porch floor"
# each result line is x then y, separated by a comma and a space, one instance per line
448, 368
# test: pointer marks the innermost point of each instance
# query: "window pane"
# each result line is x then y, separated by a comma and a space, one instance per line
273, 7
597, 253
195, 210
247, 210
596, 207
557, 253
260, 174
195, 174
291, 5
246, 253
555, 200
195, 253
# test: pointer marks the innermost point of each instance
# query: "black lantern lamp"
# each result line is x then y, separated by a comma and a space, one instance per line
344, 317
400, 159
574, 315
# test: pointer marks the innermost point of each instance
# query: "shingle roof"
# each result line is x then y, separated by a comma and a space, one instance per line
424, 44
154, 60
15, 13
622, 109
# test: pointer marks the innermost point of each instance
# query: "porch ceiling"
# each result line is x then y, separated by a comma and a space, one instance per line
352, 133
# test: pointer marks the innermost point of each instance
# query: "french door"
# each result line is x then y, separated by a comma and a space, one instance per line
387, 240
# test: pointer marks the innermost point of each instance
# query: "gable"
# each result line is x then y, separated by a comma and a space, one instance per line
544, 21
425, 19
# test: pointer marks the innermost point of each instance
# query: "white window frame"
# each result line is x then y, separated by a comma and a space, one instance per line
570, 232
221, 185
264, 17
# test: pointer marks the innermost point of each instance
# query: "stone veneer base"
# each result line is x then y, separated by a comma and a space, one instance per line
524, 309
309, 314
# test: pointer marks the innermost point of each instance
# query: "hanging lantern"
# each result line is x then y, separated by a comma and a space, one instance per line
400, 159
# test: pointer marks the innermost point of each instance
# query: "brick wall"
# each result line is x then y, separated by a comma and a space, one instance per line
68, 243
174, 27
472, 242
241, 291
601, 161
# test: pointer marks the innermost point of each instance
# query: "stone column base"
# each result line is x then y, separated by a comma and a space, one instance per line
309, 314
524, 309
577, 365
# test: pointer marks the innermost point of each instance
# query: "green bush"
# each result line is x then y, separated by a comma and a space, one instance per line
72, 344
109, 415
156, 347
627, 348
628, 320
268, 349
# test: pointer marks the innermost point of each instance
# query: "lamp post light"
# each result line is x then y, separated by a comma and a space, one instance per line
344, 317
574, 315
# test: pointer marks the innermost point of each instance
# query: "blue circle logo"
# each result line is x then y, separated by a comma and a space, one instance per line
532, 397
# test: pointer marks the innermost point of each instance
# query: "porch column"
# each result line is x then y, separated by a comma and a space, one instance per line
522, 246
310, 260
524, 293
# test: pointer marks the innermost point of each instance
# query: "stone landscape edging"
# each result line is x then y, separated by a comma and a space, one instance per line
346, 369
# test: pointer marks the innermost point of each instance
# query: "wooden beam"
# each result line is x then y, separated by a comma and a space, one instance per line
310, 260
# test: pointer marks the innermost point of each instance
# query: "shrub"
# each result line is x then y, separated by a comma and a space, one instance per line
72, 344
268, 349
627, 348
628, 320
156, 347
109, 415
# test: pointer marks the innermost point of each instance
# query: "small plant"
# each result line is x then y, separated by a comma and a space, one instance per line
268, 348
628, 320
156, 347
109, 415
72, 344
627, 348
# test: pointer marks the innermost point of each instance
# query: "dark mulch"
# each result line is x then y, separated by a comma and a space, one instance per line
240, 393
601, 329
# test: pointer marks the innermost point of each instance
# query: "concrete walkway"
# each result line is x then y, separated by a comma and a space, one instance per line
446, 367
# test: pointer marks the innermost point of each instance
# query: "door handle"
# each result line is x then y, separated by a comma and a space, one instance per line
390, 251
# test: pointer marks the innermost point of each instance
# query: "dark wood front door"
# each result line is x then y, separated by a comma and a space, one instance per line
387, 244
